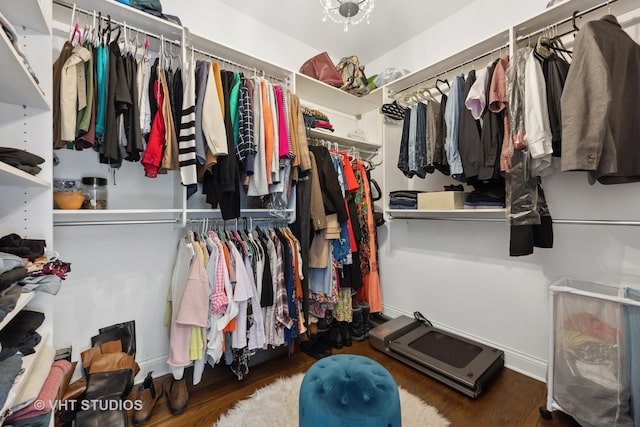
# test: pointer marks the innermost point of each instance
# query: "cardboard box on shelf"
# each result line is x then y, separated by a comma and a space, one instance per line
441, 200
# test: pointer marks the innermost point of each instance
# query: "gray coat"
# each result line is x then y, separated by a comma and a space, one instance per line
601, 106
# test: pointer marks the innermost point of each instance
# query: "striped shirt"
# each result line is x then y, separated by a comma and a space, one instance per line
186, 136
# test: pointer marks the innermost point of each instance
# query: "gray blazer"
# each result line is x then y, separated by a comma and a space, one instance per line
601, 105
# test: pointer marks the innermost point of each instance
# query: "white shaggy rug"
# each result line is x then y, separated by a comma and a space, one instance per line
276, 405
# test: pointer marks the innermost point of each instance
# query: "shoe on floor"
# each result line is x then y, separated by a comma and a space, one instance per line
177, 396
148, 393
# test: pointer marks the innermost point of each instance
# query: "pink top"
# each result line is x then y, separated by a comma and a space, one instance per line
283, 145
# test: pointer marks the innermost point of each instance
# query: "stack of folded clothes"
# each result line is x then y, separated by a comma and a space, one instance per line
21, 159
485, 199
403, 199
316, 119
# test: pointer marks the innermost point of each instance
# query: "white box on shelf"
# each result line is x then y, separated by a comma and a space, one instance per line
441, 200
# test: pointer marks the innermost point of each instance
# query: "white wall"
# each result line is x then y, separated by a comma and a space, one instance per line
119, 273
460, 274
464, 28
217, 21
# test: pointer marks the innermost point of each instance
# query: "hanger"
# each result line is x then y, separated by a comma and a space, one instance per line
72, 32
445, 81
76, 35
133, 43
75, 32
99, 30
573, 21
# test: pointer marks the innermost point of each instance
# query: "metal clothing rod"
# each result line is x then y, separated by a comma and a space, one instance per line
115, 222
596, 222
343, 147
554, 221
236, 64
90, 13
467, 62
568, 19
227, 221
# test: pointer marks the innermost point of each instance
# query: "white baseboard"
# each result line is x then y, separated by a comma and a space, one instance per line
515, 360
157, 365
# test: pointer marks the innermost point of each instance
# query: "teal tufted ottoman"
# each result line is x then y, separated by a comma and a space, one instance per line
348, 390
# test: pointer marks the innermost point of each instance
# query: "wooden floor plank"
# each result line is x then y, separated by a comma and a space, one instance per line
512, 400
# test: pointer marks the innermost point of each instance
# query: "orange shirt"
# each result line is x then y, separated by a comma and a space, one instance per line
267, 118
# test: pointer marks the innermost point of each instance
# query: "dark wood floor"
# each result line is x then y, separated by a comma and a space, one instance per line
511, 401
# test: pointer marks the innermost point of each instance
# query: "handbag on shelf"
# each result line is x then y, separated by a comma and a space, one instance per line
353, 76
321, 67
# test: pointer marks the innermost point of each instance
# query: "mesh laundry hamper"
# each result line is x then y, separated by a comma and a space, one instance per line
349, 390
590, 368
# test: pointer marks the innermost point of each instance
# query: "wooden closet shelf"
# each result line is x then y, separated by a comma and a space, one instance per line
17, 85
315, 91
449, 214
14, 177
23, 300
29, 363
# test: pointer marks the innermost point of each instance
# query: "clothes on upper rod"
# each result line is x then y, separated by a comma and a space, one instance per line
245, 132
600, 104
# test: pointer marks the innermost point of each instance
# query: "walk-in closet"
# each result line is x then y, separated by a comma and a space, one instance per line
188, 212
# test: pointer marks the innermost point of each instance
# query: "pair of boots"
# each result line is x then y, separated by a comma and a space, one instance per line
150, 391
359, 326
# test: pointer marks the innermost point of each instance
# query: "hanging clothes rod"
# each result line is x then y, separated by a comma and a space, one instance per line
115, 222
91, 13
566, 20
442, 73
370, 152
236, 64
555, 221
236, 221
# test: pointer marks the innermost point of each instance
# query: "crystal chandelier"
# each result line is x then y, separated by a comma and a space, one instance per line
346, 12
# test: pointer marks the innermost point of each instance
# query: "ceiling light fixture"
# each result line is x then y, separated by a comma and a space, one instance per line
346, 12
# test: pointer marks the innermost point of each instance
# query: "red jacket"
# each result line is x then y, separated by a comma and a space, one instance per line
152, 157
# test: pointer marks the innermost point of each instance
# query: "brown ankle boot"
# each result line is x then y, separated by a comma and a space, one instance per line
177, 396
148, 393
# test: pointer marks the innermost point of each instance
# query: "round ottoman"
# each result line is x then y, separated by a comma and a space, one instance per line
348, 390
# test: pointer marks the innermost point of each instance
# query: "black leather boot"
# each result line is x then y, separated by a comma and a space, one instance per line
357, 326
324, 323
335, 336
366, 311
346, 333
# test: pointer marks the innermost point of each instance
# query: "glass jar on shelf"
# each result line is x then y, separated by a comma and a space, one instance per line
95, 192
67, 193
